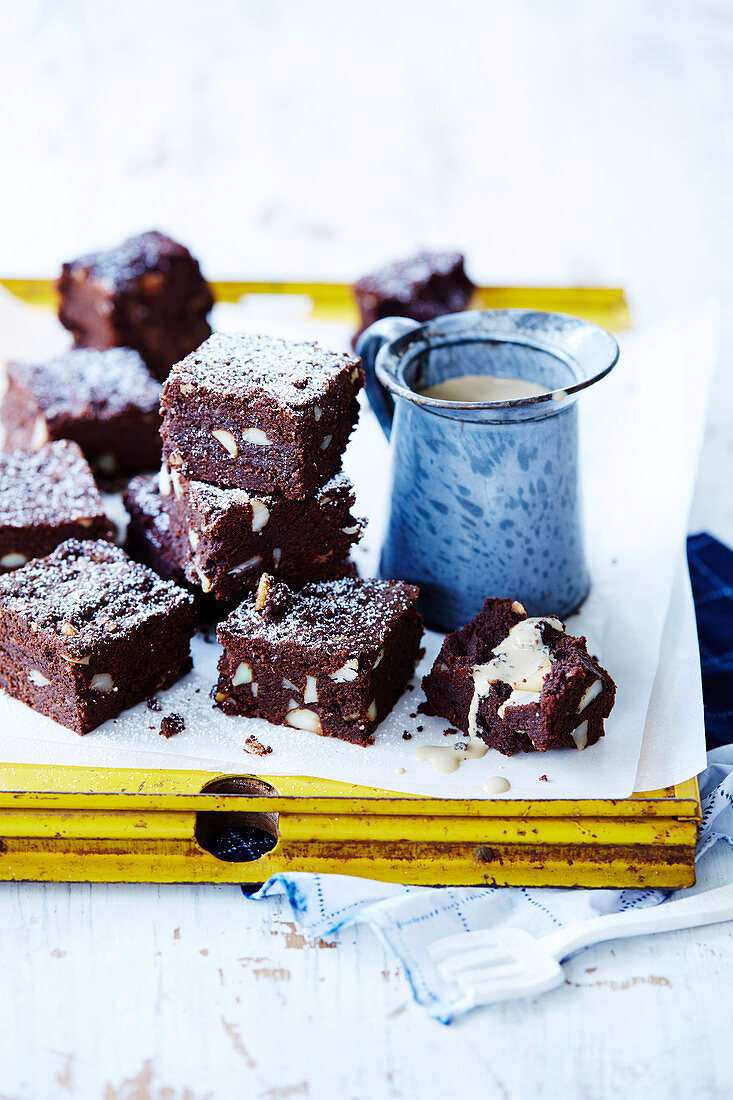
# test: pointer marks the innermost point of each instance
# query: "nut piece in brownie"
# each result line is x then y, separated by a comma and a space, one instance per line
333, 658
427, 285
519, 684
260, 413
104, 400
148, 294
229, 537
86, 633
46, 497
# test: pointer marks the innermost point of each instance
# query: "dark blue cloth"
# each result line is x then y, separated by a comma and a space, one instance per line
711, 573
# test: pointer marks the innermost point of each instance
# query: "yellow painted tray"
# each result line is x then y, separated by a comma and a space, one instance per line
109, 825
605, 306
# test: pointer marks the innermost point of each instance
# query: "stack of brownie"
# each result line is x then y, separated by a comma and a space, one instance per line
254, 430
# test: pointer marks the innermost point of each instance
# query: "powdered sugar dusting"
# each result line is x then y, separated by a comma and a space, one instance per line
327, 616
88, 593
405, 279
214, 502
89, 384
50, 486
149, 251
242, 364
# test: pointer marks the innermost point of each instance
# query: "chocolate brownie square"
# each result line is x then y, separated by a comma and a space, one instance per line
427, 285
148, 294
333, 658
230, 537
261, 414
86, 633
152, 539
519, 684
104, 400
46, 497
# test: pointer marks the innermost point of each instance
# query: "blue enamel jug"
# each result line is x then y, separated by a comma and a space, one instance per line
485, 496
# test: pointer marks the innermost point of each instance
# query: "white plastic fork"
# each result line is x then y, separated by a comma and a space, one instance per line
502, 964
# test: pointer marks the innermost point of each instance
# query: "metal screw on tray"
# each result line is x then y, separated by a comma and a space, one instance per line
485, 493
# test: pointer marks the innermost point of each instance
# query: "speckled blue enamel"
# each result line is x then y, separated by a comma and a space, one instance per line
484, 500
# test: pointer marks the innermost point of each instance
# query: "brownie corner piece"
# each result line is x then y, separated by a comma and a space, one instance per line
106, 401
425, 286
86, 633
332, 658
147, 293
46, 497
260, 413
520, 684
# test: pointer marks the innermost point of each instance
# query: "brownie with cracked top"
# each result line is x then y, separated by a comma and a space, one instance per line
46, 497
333, 658
427, 285
106, 401
148, 293
261, 414
519, 684
86, 633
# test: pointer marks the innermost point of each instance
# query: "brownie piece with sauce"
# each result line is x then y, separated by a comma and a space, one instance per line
427, 285
261, 414
333, 658
86, 633
519, 684
106, 401
229, 537
46, 497
148, 294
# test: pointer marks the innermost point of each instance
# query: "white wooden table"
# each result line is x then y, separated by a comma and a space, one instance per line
315, 140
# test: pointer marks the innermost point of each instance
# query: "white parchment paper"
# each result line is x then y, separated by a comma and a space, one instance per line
640, 437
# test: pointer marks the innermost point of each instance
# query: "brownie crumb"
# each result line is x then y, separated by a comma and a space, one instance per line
406, 736
544, 779
171, 725
447, 732
413, 716
256, 747
420, 729
152, 703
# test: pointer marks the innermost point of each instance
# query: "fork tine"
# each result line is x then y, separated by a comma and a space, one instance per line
488, 993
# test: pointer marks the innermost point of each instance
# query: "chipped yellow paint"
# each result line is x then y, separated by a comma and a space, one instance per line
113, 825
334, 301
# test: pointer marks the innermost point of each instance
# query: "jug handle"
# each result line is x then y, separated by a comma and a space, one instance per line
368, 346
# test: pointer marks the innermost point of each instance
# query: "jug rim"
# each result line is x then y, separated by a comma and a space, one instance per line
560, 334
